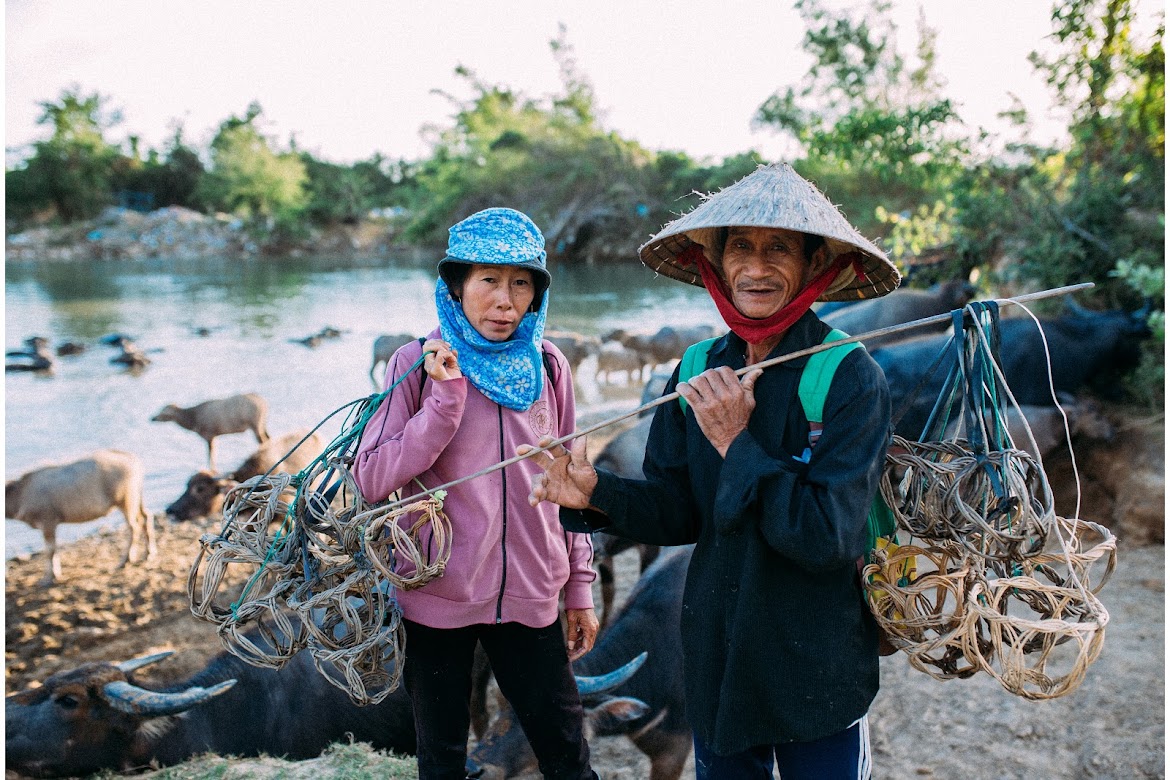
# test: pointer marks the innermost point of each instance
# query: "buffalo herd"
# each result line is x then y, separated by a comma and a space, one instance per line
95, 717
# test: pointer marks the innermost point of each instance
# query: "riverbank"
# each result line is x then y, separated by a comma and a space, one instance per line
178, 232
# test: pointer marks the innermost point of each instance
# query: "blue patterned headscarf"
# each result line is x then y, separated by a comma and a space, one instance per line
508, 372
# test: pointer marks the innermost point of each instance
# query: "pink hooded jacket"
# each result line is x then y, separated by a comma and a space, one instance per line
509, 561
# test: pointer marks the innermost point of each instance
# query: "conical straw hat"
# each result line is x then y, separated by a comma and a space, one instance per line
773, 196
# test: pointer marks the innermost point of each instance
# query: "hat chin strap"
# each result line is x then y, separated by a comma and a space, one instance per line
751, 330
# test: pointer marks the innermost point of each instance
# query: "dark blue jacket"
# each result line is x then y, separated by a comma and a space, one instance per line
779, 645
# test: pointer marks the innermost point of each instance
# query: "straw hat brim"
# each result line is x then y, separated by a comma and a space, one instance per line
774, 196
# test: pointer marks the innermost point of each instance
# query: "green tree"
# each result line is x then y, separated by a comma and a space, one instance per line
347, 193
170, 179
71, 171
873, 124
1102, 200
248, 177
593, 192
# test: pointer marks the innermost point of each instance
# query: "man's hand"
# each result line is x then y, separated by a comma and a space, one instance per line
723, 404
581, 631
443, 363
568, 478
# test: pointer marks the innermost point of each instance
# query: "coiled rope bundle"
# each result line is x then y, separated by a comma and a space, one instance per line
302, 561
1001, 584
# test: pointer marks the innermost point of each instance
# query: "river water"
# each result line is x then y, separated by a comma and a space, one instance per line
251, 311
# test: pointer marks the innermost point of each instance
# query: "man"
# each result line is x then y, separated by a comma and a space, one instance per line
781, 653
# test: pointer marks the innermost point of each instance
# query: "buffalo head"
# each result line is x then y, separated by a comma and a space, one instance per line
202, 498
89, 718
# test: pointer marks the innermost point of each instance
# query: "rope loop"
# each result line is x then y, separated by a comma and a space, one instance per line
303, 563
999, 582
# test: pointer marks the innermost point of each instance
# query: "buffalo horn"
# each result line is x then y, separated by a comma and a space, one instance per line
146, 660
590, 686
133, 700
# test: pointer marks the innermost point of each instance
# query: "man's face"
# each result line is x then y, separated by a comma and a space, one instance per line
765, 268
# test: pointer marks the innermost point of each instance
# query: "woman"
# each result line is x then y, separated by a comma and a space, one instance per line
488, 384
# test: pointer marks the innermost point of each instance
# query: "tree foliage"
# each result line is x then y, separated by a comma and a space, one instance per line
1057, 216
248, 177
169, 179
70, 172
873, 124
594, 193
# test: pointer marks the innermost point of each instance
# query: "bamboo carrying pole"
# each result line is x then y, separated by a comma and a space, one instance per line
1019, 299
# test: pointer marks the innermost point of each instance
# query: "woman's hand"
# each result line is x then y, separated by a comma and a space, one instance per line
581, 631
443, 363
568, 478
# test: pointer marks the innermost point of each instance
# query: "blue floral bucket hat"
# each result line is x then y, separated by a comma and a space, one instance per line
497, 236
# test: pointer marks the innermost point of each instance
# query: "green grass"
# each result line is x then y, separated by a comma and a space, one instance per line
356, 761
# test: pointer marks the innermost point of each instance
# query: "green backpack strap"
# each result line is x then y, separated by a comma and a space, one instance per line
815, 381
818, 373
694, 362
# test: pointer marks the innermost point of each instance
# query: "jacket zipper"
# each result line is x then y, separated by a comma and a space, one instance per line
504, 534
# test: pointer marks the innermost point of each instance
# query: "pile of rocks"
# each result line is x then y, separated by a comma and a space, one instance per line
174, 231
122, 233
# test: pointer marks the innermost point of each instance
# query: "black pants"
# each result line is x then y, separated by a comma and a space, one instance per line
532, 669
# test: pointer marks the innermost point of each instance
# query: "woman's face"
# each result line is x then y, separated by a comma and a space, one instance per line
495, 299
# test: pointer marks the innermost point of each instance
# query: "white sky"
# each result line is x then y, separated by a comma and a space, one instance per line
352, 78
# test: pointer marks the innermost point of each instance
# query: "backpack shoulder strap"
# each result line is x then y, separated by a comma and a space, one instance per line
815, 380
693, 363
817, 376
549, 364
422, 382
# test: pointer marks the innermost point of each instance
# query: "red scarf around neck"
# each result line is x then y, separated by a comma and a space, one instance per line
753, 331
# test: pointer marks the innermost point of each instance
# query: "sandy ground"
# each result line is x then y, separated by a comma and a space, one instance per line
1112, 726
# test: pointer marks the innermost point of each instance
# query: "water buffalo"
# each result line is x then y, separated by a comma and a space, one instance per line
574, 346
205, 491
903, 305
80, 491
235, 414
622, 455
614, 356
670, 342
648, 622
1089, 351
70, 348
667, 344
34, 357
94, 718
1047, 425
384, 348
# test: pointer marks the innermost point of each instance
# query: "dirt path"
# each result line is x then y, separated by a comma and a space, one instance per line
1112, 727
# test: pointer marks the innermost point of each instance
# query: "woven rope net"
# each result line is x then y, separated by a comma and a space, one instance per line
302, 562
984, 575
